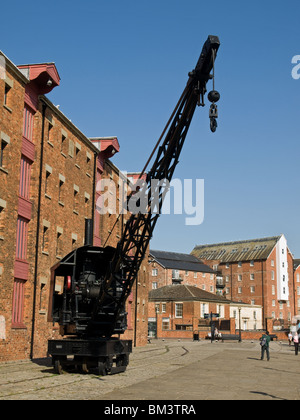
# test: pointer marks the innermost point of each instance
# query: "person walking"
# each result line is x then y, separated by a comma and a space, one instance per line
296, 343
290, 338
265, 345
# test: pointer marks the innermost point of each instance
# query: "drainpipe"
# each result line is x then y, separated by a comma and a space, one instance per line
135, 309
262, 294
94, 193
294, 287
37, 233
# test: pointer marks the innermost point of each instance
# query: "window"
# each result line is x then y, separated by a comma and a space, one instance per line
22, 230
239, 290
154, 285
24, 189
59, 233
227, 265
251, 276
154, 272
74, 240
49, 133
272, 263
272, 275
86, 204
7, 92
252, 263
76, 199
273, 303
239, 264
3, 145
178, 310
28, 118
45, 239
63, 144
252, 289
227, 279
2, 221
175, 274
163, 308
180, 327
77, 150
204, 309
18, 302
239, 277
4, 141
47, 180
61, 189
165, 324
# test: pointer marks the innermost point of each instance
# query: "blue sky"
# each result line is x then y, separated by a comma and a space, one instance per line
123, 66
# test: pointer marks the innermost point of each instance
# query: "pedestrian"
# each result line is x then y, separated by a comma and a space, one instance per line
265, 345
296, 343
290, 338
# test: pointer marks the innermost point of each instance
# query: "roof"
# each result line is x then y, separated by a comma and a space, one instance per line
177, 261
182, 292
296, 263
254, 249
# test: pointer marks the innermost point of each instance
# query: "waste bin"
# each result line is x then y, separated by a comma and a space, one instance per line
196, 336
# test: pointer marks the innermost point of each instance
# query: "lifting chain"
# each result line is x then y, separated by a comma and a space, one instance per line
213, 97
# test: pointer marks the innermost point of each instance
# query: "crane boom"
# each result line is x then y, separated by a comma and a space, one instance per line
140, 226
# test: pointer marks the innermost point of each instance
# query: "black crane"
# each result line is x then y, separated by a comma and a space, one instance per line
97, 281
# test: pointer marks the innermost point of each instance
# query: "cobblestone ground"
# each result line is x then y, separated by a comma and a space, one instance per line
166, 370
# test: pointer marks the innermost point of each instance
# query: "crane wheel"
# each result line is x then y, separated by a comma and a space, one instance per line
58, 367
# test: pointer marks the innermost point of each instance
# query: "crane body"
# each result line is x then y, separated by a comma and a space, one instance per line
97, 281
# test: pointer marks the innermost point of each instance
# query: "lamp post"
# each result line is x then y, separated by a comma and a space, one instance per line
240, 332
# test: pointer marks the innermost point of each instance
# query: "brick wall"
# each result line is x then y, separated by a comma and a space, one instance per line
160, 277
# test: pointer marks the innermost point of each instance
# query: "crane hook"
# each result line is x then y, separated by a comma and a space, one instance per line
213, 115
213, 97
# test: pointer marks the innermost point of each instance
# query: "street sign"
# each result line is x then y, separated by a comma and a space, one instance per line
207, 316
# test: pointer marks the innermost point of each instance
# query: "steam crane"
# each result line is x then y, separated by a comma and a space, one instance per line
96, 282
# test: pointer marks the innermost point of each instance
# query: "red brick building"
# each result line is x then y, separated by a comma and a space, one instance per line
178, 310
167, 268
49, 174
258, 272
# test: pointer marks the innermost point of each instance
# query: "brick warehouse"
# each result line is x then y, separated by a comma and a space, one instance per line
182, 281
258, 272
49, 172
167, 268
